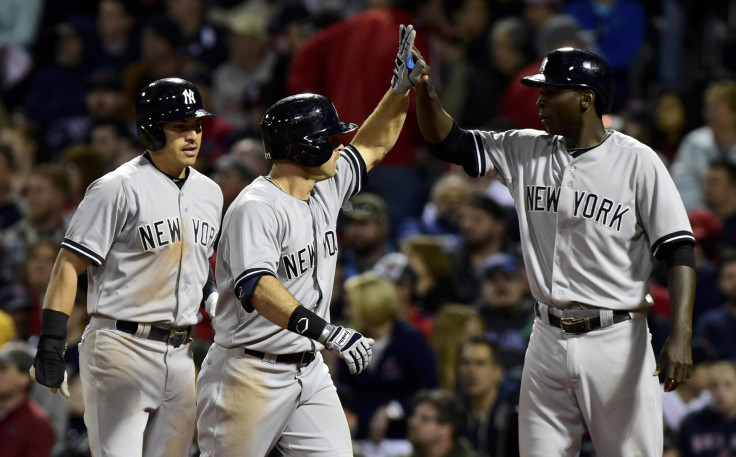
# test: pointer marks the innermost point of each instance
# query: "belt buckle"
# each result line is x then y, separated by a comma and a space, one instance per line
178, 337
305, 355
574, 325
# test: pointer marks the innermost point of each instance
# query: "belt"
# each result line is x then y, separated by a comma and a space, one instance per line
175, 336
299, 358
580, 325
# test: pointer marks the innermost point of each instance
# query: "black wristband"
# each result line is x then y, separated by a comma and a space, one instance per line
54, 323
306, 323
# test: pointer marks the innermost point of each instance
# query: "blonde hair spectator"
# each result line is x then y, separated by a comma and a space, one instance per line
373, 300
454, 326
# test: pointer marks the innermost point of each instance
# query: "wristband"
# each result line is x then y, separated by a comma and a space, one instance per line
307, 323
53, 323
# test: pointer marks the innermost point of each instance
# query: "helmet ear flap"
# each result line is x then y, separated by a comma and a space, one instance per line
152, 141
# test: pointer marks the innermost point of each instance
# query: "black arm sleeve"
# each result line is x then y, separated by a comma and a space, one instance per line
459, 147
677, 254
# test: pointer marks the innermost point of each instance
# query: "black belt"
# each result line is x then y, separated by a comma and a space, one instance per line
578, 325
175, 336
299, 358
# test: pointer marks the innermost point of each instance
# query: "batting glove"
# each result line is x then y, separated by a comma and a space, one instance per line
407, 72
48, 366
351, 346
210, 305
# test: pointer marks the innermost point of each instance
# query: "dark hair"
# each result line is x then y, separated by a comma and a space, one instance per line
488, 205
119, 127
165, 27
448, 407
54, 173
482, 340
727, 166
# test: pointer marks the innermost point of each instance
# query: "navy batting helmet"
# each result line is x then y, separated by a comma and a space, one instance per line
298, 128
576, 68
165, 100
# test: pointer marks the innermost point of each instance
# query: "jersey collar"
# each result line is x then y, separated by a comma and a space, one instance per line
577, 152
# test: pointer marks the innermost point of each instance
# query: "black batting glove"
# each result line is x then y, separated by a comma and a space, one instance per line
49, 368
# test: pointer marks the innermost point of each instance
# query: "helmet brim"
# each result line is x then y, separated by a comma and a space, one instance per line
203, 113
537, 80
342, 127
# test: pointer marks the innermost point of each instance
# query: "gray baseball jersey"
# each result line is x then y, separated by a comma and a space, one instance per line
590, 221
266, 231
585, 214
149, 243
246, 405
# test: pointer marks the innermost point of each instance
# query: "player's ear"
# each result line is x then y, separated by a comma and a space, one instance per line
587, 101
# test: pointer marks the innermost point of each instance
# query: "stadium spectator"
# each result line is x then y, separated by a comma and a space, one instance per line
436, 426
25, 428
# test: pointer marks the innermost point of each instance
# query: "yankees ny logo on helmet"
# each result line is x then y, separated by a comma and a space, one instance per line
189, 97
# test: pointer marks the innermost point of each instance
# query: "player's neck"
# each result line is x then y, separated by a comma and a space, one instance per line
591, 133
292, 180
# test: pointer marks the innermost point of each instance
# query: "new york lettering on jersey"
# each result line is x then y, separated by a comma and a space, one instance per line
586, 205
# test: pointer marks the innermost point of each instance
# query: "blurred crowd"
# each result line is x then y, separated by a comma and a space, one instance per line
430, 261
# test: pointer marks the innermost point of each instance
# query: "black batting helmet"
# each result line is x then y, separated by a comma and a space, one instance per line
297, 128
165, 100
576, 68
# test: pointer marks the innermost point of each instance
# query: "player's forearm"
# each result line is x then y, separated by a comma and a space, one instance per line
62, 289
434, 122
379, 132
681, 287
273, 301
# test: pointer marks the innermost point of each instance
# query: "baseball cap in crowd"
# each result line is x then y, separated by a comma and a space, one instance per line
395, 267
288, 14
7, 328
252, 23
17, 353
165, 27
499, 261
104, 79
227, 163
705, 224
365, 208
14, 298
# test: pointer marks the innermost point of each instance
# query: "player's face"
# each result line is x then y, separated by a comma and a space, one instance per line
328, 169
559, 109
183, 139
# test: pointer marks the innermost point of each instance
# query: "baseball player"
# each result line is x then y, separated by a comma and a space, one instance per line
144, 234
595, 208
263, 383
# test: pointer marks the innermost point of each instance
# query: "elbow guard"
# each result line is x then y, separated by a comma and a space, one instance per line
244, 291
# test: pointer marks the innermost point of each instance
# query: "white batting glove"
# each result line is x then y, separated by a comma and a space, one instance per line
407, 72
210, 305
351, 346
64, 388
